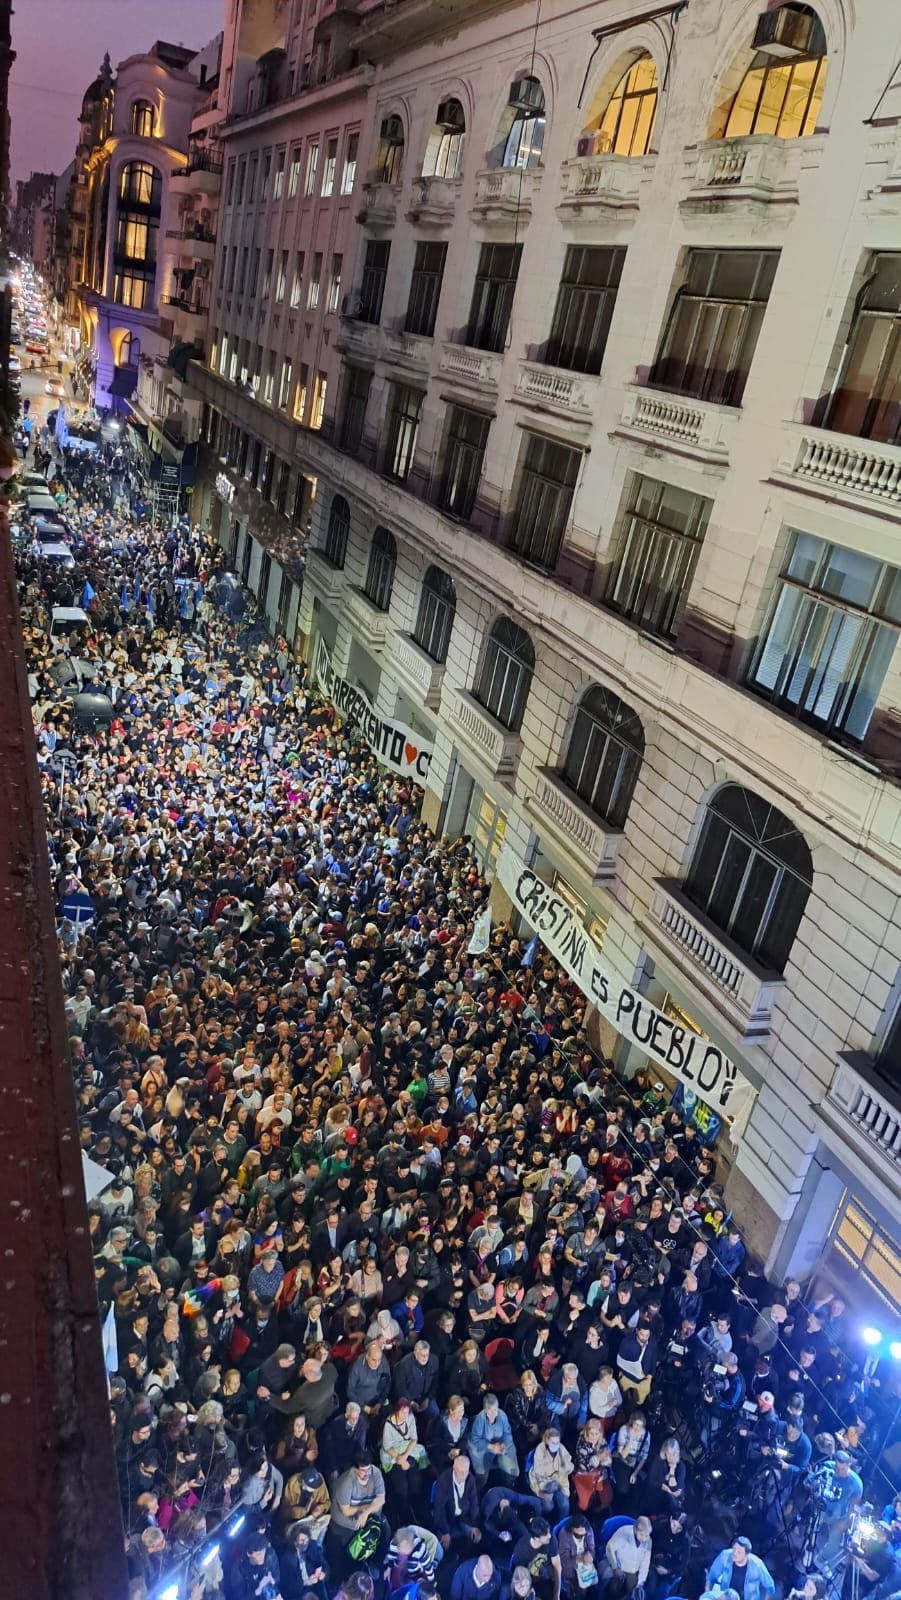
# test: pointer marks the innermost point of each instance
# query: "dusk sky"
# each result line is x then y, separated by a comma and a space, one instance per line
59, 46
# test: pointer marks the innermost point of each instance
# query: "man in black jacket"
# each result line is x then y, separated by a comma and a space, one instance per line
670, 1545
255, 1574
455, 1505
416, 1377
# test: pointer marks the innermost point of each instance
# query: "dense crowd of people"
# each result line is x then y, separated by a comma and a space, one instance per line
409, 1292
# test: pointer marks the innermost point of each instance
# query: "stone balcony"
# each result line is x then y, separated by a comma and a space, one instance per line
359, 340
739, 990
594, 185
415, 672
492, 747
691, 427
191, 246
861, 472
758, 175
585, 839
505, 194
367, 619
329, 582
407, 351
433, 202
553, 389
860, 1118
378, 206
479, 370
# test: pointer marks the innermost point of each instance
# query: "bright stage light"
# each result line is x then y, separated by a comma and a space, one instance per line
871, 1336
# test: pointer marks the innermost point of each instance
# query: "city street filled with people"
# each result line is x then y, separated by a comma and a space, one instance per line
405, 1291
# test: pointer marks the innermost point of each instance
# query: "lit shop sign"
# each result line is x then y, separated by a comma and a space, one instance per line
225, 489
393, 744
694, 1060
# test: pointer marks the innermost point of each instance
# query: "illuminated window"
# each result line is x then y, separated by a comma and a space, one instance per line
389, 156
444, 151
781, 97
525, 137
317, 410
284, 388
140, 184
143, 119
300, 394
627, 122
328, 170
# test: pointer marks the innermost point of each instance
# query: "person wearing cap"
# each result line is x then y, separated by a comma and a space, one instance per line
306, 1500
255, 1574
737, 1568
839, 1490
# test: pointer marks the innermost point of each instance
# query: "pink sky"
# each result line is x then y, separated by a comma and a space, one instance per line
59, 46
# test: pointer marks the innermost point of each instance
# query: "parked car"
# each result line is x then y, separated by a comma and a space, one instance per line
55, 387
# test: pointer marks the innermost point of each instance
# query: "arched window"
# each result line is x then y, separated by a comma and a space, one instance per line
380, 572
143, 119
525, 114
437, 605
751, 873
604, 756
335, 548
129, 350
782, 91
444, 151
389, 155
624, 126
505, 676
139, 185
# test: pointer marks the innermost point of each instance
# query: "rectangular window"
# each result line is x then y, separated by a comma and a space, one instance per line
492, 296
356, 398
375, 272
425, 288
243, 451
257, 367
662, 539
465, 443
266, 285
328, 170
278, 178
334, 284
714, 325
294, 172
268, 475
866, 401
349, 172
255, 273
585, 301
297, 279
256, 458
230, 183
242, 174
317, 410
830, 636
244, 361
233, 366
252, 180
404, 411
282, 277
130, 291
550, 473
309, 182
284, 387
266, 175
281, 493
269, 379
300, 394
223, 355
242, 276
232, 268
313, 291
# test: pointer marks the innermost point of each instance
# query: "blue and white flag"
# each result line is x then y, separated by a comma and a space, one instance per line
125, 598
528, 955
481, 933
87, 595
110, 1344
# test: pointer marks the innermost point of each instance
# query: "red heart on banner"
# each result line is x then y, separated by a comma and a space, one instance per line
411, 752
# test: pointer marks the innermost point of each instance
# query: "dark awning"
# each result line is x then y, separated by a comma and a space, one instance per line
125, 382
140, 428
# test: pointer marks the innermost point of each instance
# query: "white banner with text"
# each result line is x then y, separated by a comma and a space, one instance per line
392, 743
694, 1060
